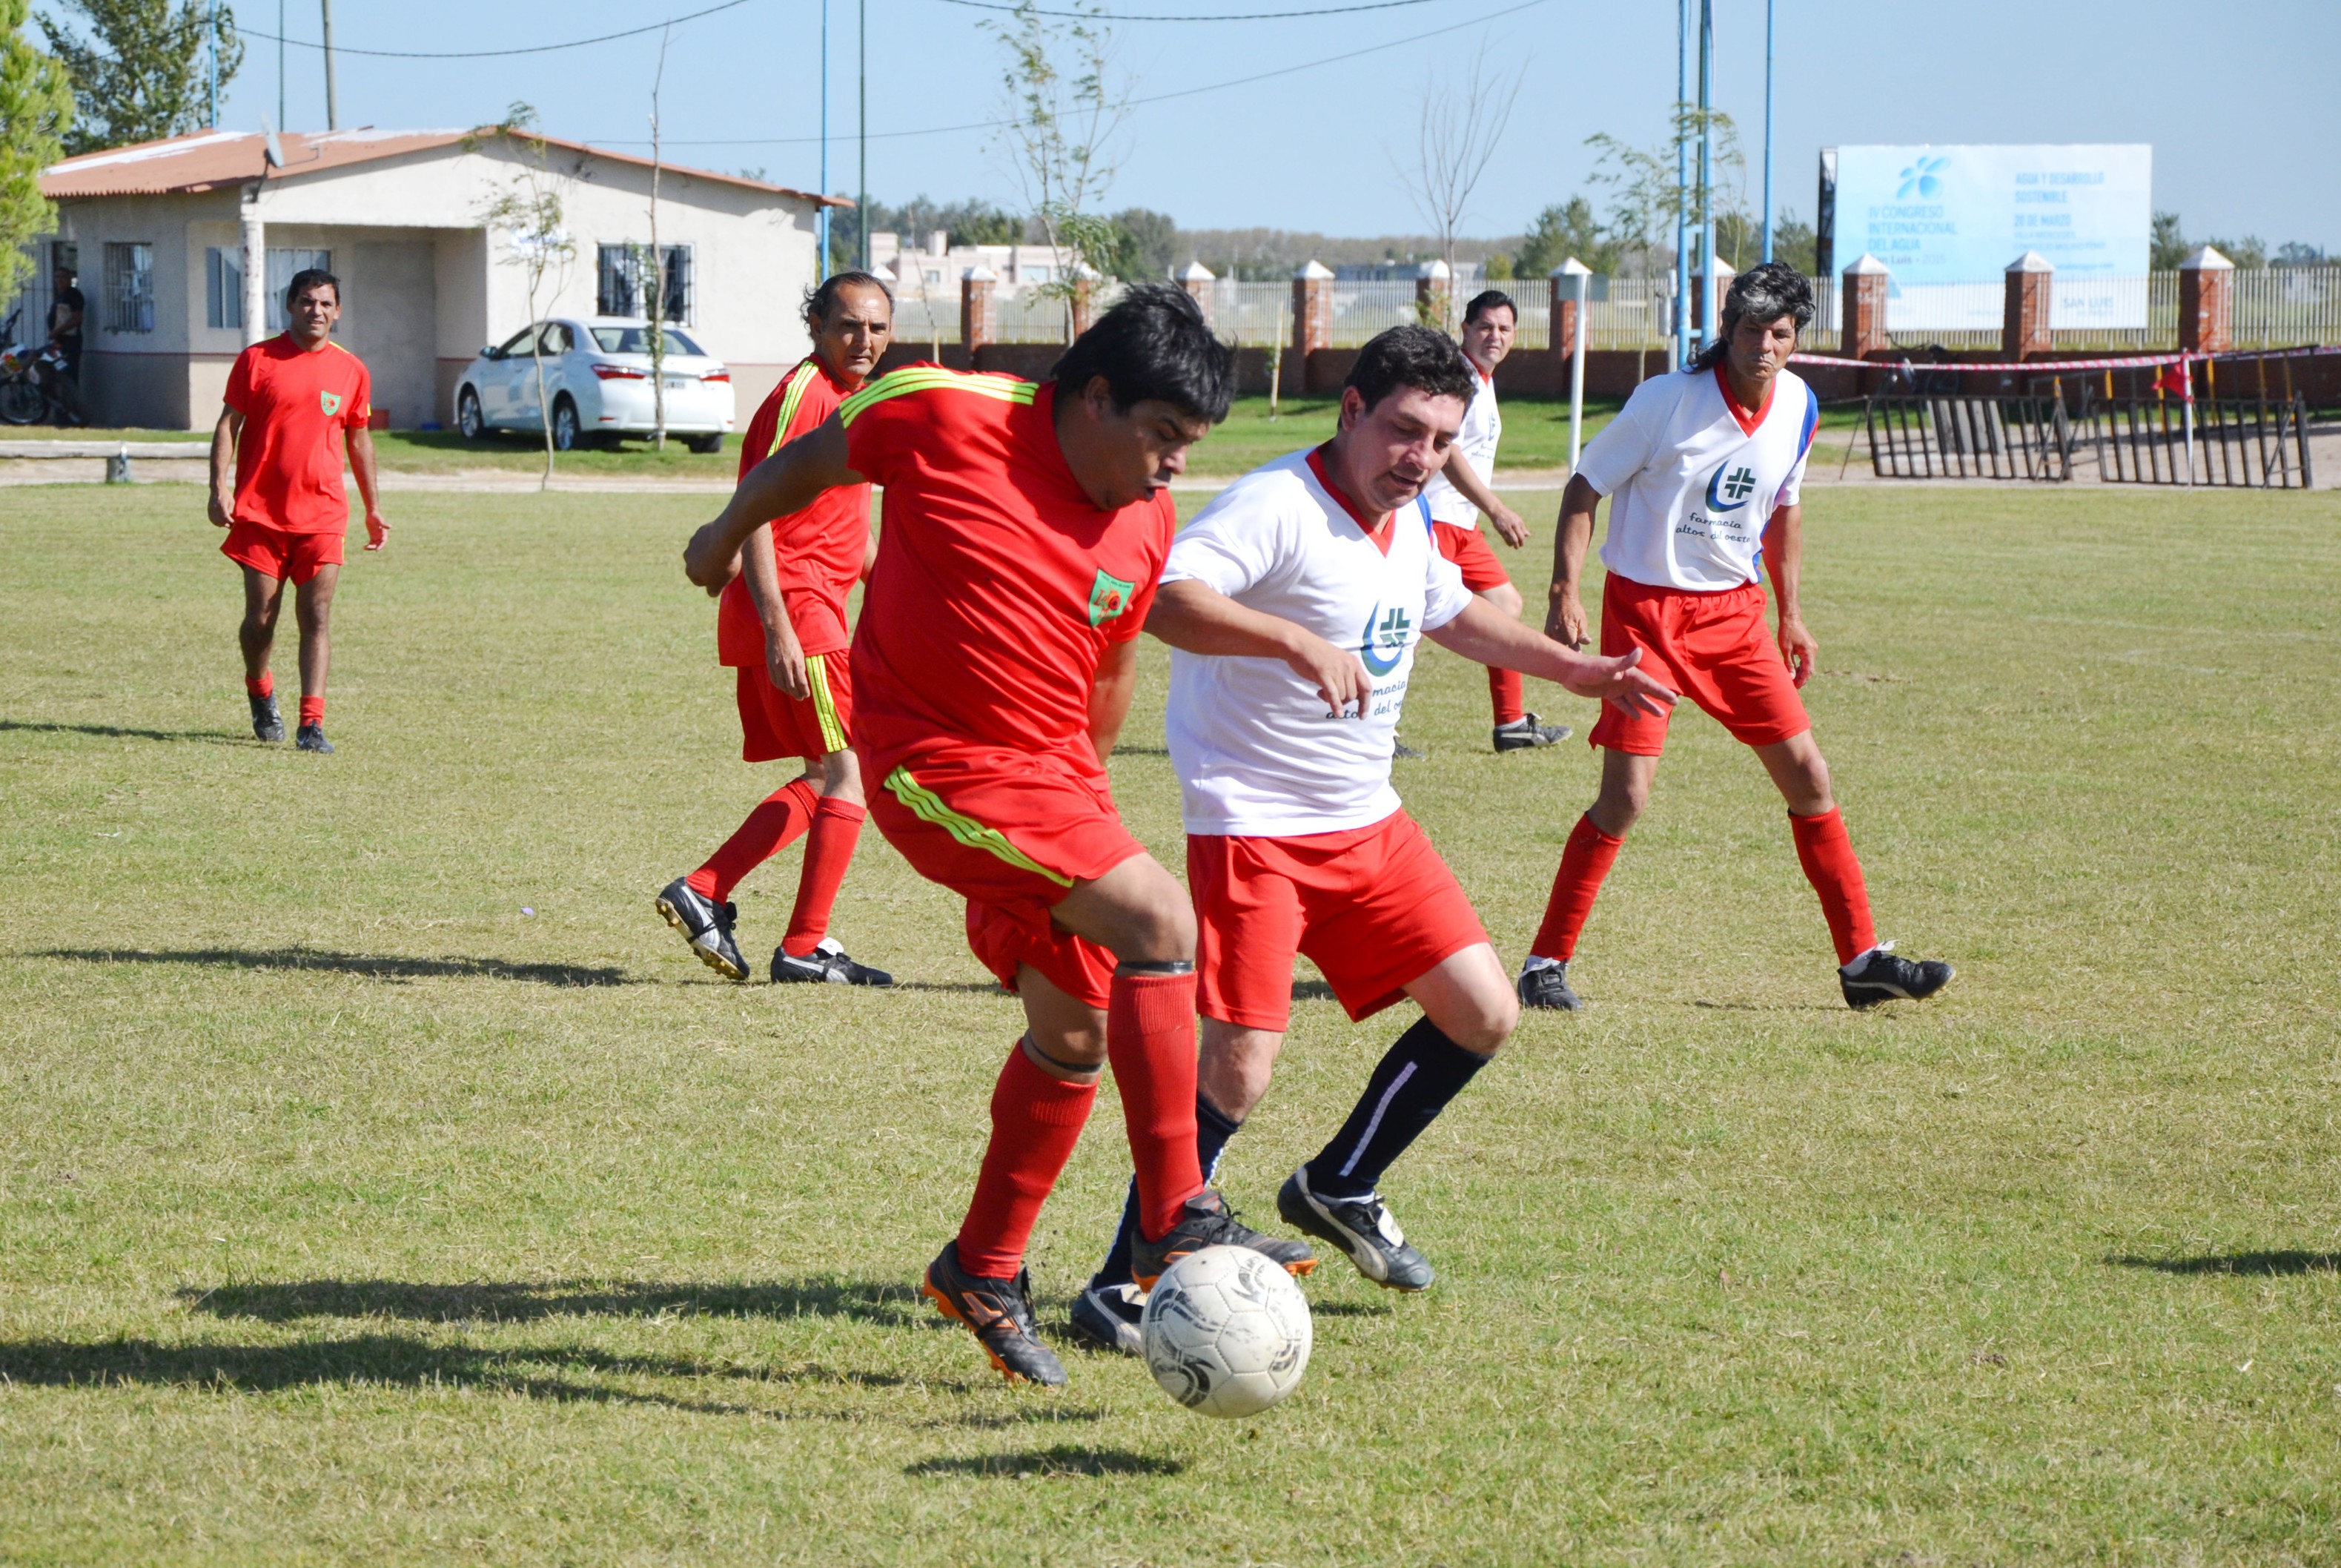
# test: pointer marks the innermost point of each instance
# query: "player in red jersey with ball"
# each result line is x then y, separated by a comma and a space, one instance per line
277, 487
782, 626
1024, 530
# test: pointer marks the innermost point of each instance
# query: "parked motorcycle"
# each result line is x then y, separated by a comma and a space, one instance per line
32, 379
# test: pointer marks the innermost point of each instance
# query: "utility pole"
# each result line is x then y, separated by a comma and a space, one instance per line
861, 109
1771, 8
333, 98
1706, 326
1681, 333
280, 65
821, 221
214, 21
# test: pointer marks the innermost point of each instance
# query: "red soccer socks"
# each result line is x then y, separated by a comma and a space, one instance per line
1583, 863
1036, 1120
265, 687
1825, 851
1150, 1038
1505, 693
313, 710
829, 851
772, 826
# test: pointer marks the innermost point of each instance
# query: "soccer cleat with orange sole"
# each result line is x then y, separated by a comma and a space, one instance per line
1208, 1222
998, 1312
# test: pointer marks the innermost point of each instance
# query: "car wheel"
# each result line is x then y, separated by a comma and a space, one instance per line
703, 445
565, 432
469, 420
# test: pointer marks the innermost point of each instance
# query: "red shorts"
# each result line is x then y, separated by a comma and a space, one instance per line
279, 553
1375, 909
1713, 648
1011, 832
1470, 550
773, 724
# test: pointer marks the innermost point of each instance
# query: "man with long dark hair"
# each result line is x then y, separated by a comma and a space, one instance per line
1704, 468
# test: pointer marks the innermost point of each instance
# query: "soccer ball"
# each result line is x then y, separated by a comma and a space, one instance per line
1227, 1332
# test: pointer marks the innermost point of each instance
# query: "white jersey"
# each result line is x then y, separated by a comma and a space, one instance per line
1256, 754
1693, 481
1474, 443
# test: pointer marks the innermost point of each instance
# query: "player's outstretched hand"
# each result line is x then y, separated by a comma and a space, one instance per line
1564, 621
377, 531
1508, 523
1799, 650
1337, 674
705, 561
1617, 681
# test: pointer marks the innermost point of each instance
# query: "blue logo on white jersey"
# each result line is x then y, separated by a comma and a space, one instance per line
1729, 489
1392, 634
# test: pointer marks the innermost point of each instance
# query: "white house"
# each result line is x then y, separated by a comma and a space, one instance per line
933, 270
183, 248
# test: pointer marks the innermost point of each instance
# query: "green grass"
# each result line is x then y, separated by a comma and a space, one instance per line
351, 1212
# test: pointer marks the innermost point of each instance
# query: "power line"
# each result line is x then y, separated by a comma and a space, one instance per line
1228, 16
495, 53
1135, 102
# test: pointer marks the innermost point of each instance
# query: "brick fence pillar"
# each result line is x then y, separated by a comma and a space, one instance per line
1863, 285
1434, 293
1196, 279
979, 319
2024, 323
2206, 282
1565, 325
1313, 322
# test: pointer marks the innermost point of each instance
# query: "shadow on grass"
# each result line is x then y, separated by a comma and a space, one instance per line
892, 1303
962, 988
122, 733
1045, 1463
390, 1361
2280, 1263
370, 965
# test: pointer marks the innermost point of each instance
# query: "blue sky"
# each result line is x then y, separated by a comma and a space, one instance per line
2209, 86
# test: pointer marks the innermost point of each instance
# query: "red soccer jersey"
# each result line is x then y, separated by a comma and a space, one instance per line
296, 404
819, 549
999, 586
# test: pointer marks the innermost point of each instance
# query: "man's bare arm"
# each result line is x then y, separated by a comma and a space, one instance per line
1200, 619
1784, 563
787, 482
224, 439
1481, 494
1564, 614
785, 660
362, 468
1486, 634
1117, 682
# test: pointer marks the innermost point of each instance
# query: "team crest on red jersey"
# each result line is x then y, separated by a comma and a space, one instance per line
331, 402
1109, 597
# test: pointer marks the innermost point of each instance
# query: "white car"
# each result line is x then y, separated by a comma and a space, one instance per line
597, 377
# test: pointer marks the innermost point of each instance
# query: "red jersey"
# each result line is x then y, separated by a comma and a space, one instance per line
819, 550
296, 404
999, 586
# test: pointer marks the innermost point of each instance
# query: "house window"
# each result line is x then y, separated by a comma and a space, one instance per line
282, 265
129, 287
223, 288
622, 278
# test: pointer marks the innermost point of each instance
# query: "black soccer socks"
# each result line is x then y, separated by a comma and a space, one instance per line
1411, 1085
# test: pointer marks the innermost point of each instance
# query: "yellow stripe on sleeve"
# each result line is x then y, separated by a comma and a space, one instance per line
933, 378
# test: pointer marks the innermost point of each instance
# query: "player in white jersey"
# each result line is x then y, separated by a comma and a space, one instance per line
1704, 468
1460, 491
1294, 604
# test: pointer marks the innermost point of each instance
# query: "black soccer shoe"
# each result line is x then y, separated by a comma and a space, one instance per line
706, 925
1527, 733
1208, 1222
1361, 1227
267, 722
311, 738
1106, 1317
825, 964
1547, 985
1000, 1313
1878, 976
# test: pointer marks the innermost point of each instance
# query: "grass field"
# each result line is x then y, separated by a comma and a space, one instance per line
379, 1180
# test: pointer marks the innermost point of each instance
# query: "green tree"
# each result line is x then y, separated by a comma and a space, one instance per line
142, 73
1793, 242
1148, 245
2168, 247
35, 111
1064, 120
1644, 198
1566, 231
528, 213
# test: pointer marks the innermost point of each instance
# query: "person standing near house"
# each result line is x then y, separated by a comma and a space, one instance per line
292, 404
68, 307
1456, 497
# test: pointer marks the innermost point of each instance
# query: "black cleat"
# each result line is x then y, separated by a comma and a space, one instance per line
267, 723
825, 964
310, 738
1208, 1222
706, 925
1398, 748
1000, 1313
1527, 731
1545, 984
1106, 1317
1878, 976
1361, 1227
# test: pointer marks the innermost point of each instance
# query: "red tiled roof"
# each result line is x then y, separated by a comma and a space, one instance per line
204, 160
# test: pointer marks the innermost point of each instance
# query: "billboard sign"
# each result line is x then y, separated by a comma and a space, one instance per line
1947, 220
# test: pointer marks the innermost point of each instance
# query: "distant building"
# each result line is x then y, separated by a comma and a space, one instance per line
162, 235
932, 272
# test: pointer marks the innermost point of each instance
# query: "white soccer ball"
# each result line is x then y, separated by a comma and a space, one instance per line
1227, 1332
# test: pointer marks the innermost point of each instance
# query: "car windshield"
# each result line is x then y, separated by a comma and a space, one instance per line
637, 340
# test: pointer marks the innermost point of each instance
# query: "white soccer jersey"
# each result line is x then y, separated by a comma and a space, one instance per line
1256, 755
1692, 483
1483, 427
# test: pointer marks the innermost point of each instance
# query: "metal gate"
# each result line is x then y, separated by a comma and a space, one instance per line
1963, 437
2238, 442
